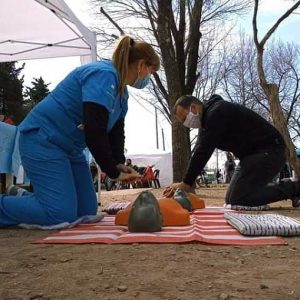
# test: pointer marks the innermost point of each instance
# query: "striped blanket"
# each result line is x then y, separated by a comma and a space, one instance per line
263, 224
207, 226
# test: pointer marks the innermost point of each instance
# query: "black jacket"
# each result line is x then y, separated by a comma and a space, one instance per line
233, 128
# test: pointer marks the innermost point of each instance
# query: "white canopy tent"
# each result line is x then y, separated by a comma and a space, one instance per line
31, 29
161, 161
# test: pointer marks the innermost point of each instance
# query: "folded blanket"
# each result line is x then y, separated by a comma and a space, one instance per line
113, 208
89, 219
263, 224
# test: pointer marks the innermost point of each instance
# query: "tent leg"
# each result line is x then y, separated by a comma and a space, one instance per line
99, 186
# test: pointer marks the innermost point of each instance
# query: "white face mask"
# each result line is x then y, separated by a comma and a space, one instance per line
192, 120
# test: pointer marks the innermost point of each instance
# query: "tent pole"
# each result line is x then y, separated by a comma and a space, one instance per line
156, 129
99, 186
163, 139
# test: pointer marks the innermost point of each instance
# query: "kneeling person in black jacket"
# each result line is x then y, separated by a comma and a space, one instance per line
237, 129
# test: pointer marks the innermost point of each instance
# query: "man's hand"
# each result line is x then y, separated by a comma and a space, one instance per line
170, 190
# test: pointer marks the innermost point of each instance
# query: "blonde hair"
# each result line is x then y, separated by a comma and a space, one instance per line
128, 51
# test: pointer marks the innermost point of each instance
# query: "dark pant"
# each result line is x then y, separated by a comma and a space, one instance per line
251, 182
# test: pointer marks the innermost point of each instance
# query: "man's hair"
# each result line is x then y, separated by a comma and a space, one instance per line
186, 101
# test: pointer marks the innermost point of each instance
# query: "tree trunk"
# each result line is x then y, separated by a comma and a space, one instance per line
279, 121
180, 136
181, 150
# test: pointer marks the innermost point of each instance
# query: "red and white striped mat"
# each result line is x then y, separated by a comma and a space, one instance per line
208, 226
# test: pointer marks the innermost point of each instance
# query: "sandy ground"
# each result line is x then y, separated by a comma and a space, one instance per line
145, 271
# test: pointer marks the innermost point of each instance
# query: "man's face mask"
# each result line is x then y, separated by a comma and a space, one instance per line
141, 83
192, 120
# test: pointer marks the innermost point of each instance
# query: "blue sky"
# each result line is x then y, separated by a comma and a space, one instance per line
268, 13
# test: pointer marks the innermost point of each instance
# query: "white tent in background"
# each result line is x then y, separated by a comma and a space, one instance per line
31, 29
161, 161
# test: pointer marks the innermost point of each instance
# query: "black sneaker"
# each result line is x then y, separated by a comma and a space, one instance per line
296, 202
296, 198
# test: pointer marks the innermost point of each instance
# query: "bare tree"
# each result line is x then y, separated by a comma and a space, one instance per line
240, 76
284, 66
173, 27
240, 81
271, 89
211, 61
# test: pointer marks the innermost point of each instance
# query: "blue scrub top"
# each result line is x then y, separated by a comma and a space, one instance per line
60, 114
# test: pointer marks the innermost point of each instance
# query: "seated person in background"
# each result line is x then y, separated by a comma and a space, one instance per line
128, 163
202, 178
229, 167
219, 176
141, 170
148, 174
7, 120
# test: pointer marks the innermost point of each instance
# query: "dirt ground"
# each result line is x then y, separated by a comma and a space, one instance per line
148, 271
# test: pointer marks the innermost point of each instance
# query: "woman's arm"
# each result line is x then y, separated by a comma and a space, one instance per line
97, 139
117, 140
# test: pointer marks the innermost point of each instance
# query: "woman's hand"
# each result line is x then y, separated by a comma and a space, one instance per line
125, 169
170, 190
128, 177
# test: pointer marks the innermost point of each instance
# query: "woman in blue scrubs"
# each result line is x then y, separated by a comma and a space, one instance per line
86, 109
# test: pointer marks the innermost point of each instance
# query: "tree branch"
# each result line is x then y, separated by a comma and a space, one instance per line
195, 36
254, 24
112, 21
282, 18
150, 16
161, 87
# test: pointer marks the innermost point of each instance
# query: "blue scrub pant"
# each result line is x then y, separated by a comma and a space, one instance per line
62, 184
